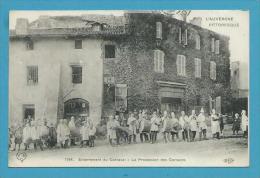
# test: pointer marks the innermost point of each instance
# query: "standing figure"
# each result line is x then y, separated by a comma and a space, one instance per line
184, 125
112, 125
221, 123
66, 133
35, 131
175, 126
72, 128
202, 124
121, 134
27, 135
193, 125
236, 124
92, 132
52, 138
155, 122
10, 137
43, 131
63, 133
215, 128
18, 137
84, 132
244, 123
145, 127
166, 126
132, 125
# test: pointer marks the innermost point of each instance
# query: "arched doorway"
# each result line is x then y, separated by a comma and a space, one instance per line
76, 107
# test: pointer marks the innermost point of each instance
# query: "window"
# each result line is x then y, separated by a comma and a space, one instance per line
158, 61
217, 47
183, 37
186, 37
197, 68
212, 45
180, 35
110, 51
28, 112
32, 75
197, 38
212, 70
181, 65
29, 45
121, 97
78, 44
159, 30
76, 74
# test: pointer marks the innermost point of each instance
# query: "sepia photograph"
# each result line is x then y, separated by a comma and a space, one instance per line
129, 88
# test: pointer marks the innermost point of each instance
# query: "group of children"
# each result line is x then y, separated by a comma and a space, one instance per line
40, 134
122, 129
168, 124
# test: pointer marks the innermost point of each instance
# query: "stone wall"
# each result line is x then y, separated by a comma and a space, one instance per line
134, 62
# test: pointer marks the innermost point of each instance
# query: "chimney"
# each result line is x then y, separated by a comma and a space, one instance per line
196, 21
21, 27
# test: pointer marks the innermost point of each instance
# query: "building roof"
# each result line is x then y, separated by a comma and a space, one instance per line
76, 21
74, 26
83, 25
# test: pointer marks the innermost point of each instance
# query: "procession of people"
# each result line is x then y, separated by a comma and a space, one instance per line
122, 129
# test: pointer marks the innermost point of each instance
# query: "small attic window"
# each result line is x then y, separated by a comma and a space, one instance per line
29, 45
110, 51
96, 27
78, 44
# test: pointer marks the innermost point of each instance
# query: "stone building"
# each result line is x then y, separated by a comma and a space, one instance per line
239, 86
94, 65
167, 64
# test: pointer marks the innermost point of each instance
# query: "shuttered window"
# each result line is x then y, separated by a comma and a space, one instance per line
186, 37
212, 45
217, 47
180, 35
213, 70
197, 38
197, 67
159, 30
158, 61
181, 65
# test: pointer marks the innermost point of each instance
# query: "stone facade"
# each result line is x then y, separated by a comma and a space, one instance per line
134, 65
54, 58
127, 74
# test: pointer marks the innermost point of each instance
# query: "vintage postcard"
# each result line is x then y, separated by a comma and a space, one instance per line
123, 88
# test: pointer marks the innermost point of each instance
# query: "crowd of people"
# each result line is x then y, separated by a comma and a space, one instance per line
120, 129
172, 127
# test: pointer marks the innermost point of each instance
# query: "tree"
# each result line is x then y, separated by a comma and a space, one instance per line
172, 13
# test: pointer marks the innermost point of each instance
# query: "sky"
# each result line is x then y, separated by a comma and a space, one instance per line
238, 31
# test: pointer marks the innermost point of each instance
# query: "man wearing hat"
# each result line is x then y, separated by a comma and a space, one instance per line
202, 124
236, 124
